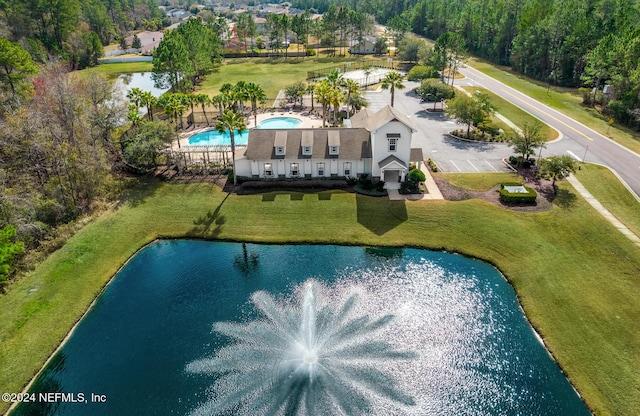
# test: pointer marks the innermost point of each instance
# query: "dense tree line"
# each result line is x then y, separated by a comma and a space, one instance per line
573, 43
72, 29
57, 151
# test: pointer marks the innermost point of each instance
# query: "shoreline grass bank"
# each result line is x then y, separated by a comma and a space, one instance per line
576, 277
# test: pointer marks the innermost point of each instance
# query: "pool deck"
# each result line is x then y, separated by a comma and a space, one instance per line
308, 121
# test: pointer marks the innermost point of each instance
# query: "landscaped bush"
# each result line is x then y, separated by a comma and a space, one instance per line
478, 135
420, 72
506, 196
432, 165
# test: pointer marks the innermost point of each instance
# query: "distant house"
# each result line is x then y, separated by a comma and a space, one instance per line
376, 144
149, 41
363, 46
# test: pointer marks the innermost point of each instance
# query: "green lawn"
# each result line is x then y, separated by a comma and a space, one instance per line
603, 184
515, 114
577, 278
481, 181
568, 101
113, 70
271, 74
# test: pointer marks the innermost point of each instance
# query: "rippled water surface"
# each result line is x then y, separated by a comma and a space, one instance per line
471, 350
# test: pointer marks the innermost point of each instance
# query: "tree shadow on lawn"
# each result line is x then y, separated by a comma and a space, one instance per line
203, 225
380, 215
295, 196
565, 199
144, 188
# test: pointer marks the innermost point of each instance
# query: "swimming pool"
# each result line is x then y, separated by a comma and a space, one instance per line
214, 138
280, 123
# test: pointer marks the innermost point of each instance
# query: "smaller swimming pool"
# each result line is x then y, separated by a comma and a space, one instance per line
213, 138
280, 123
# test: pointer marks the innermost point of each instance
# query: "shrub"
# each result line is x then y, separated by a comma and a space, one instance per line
351, 180
310, 52
432, 165
420, 72
506, 196
416, 176
380, 186
365, 182
513, 160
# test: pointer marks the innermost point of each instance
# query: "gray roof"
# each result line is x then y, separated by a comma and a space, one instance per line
389, 159
354, 143
371, 121
416, 155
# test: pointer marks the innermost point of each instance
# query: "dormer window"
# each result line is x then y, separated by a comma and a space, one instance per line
333, 138
393, 141
307, 142
280, 142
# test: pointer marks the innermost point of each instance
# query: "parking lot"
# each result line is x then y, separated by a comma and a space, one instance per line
451, 155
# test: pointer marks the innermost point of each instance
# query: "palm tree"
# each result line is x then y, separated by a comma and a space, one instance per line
149, 100
335, 78
311, 90
135, 96
230, 121
219, 101
203, 100
391, 81
351, 87
367, 71
323, 95
190, 99
256, 95
336, 98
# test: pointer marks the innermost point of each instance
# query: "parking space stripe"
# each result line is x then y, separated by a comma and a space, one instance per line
474, 166
490, 165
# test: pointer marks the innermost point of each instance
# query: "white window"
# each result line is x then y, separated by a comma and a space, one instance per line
393, 143
320, 169
333, 150
347, 168
294, 169
280, 150
306, 150
268, 170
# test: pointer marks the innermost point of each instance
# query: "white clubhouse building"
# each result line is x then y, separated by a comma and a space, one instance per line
377, 144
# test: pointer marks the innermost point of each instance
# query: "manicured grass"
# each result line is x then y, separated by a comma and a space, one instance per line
482, 181
113, 70
271, 74
568, 101
514, 114
577, 278
607, 189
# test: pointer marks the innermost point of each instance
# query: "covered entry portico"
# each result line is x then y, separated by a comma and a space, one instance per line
392, 171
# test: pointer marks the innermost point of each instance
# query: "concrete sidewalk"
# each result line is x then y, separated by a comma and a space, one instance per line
432, 193
602, 210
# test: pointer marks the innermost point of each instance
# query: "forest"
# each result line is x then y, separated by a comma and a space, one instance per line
570, 43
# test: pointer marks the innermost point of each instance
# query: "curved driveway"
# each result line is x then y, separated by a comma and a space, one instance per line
577, 139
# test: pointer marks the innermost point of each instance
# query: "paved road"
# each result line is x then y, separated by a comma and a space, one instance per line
576, 139
449, 154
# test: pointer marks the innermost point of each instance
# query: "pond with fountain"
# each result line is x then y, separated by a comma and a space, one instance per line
196, 327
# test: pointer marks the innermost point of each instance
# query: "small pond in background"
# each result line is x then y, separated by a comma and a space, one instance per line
140, 80
474, 352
